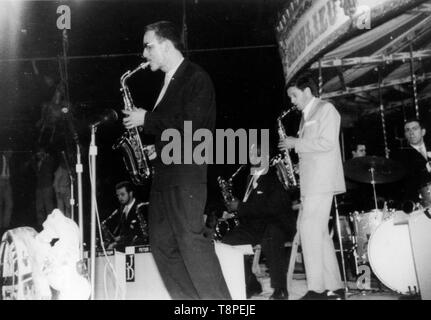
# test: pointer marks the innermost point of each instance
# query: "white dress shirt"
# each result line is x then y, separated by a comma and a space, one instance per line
168, 78
307, 108
127, 208
253, 183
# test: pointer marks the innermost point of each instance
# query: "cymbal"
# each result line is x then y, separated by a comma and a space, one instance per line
385, 170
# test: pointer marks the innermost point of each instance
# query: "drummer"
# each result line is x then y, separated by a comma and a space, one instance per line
359, 150
359, 195
416, 159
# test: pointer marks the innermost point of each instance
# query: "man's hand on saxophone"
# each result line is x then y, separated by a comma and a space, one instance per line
134, 118
232, 206
287, 143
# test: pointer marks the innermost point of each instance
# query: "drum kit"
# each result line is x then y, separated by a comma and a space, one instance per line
377, 240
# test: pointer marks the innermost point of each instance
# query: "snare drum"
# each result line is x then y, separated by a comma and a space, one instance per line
425, 195
391, 257
365, 223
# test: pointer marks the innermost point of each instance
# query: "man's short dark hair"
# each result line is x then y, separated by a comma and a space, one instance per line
305, 80
421, 124
167, 30
354, 145
124, 184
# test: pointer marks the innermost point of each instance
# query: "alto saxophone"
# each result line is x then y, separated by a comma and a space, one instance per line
107, 236
226, 190
226, 186
282, 162
134, 154
143, 224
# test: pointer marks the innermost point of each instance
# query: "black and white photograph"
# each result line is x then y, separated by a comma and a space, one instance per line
231, 152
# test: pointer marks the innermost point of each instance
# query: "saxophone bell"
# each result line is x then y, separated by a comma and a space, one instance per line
282, 162
134, 155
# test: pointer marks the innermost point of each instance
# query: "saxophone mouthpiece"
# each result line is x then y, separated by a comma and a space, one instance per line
144, 65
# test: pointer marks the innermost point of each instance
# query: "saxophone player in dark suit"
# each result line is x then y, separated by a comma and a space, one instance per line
265, 217
186, 259
127, 225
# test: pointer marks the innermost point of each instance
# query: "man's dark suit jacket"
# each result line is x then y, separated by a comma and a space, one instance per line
189, 97
268, 203
128, 229
416, 173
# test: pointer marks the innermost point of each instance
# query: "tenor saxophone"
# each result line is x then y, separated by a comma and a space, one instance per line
134, 154
282, 162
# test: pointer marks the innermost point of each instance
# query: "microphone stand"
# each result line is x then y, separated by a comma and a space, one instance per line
93, 154
79, 170
72, 198
72, 187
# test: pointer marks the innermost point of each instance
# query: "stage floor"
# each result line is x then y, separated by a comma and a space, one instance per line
299, 288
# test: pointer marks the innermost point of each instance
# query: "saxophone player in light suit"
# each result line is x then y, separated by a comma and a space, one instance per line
321, 177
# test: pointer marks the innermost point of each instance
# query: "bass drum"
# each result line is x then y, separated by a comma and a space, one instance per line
391, 257
18, 267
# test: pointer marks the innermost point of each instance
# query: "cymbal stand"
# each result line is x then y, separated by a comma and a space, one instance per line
343, 263
373, 183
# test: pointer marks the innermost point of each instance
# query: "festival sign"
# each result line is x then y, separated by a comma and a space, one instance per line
306, 28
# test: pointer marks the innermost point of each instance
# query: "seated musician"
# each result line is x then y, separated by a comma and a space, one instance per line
358, 150
416, 160
127, 225
358, 195
265, 217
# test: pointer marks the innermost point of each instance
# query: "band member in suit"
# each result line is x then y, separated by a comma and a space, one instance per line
416, 159
265, 217
321, 177
128, 223
185, 258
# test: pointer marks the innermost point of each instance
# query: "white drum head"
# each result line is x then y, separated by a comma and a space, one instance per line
391, 257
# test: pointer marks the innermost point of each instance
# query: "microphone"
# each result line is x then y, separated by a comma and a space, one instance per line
65, 111
107, 115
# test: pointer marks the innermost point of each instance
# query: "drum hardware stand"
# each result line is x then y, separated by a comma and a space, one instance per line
93, 154
373, 183
343, 264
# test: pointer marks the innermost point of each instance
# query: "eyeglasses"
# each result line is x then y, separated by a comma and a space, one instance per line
149, 45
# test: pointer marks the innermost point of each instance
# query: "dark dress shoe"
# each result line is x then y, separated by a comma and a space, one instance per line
253, 290
410, 297
313, 295
279, 294
339, 294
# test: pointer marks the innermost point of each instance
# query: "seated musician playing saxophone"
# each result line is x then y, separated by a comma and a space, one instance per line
127, 225
265, 217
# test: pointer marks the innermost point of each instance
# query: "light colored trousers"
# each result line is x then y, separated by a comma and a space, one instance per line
321, 266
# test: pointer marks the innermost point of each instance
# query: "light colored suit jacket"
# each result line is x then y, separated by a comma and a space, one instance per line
318, 147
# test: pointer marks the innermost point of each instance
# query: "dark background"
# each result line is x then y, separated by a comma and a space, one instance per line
233, 41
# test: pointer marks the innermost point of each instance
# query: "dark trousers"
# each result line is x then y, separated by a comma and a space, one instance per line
6, 203
44, 203
186, 259
272, 238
